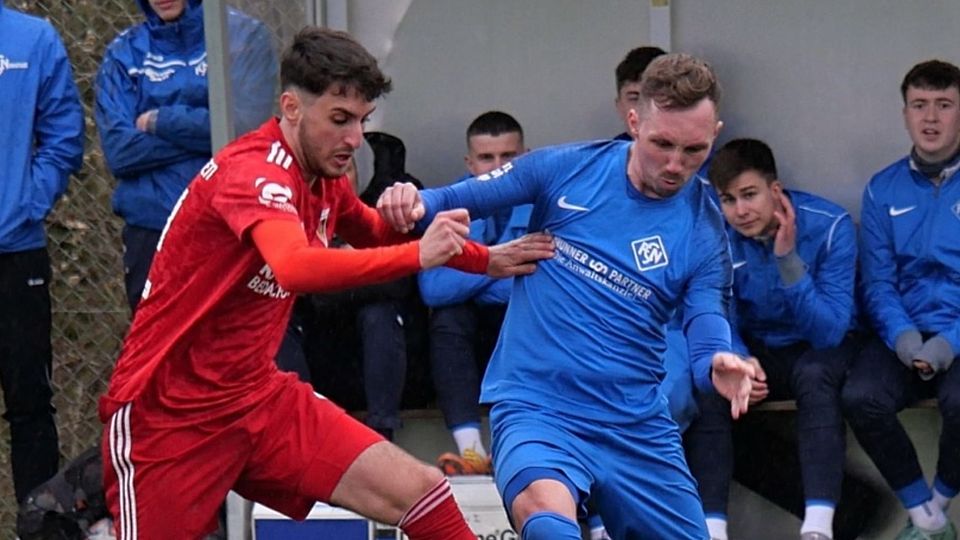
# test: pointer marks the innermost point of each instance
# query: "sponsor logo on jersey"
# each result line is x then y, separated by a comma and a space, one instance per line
322, 227
6, 64
894, 211
274, 195
649, 253
738, 264
265, 284
562, 203
496, 173
956, 209
279, 156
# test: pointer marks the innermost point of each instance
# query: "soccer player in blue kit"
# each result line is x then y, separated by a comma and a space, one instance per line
577, 411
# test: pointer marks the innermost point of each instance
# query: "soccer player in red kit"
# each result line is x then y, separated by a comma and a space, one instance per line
196, 406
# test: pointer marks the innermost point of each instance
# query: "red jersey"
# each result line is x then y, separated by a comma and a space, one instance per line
212, 316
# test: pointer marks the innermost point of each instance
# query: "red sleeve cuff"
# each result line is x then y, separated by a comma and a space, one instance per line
474, 259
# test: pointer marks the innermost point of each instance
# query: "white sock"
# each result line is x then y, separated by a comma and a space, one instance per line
818, 518
941, 500
717, 527
599, 533
468, 436
927, 516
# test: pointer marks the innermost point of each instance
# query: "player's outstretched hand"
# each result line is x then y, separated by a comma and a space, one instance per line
444, 238
733, 378
400, 206
519, 257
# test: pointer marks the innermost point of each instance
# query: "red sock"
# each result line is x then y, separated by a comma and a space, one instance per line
436, 516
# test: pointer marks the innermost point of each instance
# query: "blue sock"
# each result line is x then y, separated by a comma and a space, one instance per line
550, 526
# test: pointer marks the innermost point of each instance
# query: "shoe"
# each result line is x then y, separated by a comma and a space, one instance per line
814, 536
912, 532
469, 463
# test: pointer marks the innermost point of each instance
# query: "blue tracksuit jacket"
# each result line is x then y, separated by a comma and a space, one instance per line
41, 130
910, 252
163, 66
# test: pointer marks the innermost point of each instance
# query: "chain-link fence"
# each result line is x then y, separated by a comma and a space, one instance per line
90, 314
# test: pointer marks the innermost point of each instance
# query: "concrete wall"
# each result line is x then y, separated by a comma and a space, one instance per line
819, 80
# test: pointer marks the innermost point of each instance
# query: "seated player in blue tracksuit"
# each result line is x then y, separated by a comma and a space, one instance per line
794, 266
910, 263
466, 310
574, 382
153, 115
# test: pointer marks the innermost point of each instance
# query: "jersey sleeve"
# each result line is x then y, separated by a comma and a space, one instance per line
707, 296
711, 278
248, 193
517, 182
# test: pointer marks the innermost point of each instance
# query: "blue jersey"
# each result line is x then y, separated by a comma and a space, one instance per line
819, 308
584, 334
910, 255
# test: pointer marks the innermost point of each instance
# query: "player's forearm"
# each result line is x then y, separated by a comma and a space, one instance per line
316, 269
707, 334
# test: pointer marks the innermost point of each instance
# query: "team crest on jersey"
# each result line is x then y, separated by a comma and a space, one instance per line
496, 173
322, 227
956, 209
649, 253
274, 195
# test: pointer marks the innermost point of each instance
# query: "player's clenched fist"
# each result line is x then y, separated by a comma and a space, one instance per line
400, 206
444, 237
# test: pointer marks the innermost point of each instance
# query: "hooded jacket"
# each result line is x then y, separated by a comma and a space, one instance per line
42, 128
163, 66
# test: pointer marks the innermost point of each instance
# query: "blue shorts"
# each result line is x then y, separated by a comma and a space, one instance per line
634, 473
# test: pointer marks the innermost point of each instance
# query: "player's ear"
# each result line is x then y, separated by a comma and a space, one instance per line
290, 104
633, 122
777, 188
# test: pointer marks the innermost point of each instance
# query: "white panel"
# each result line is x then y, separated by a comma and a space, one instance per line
660, 24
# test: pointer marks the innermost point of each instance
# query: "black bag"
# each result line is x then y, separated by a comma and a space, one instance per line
64, 507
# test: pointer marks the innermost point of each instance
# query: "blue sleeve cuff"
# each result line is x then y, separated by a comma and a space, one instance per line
706, 334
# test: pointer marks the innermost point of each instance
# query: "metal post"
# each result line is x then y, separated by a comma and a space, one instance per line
218, 73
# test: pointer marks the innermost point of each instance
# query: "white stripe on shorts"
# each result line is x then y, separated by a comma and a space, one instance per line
120, 444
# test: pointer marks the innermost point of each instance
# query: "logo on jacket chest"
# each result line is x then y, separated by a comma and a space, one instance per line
649, 253
6, 64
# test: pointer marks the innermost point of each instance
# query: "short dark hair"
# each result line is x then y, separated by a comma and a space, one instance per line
739, 156
320, 58
634, 63
493, 123
679, 81
931, 75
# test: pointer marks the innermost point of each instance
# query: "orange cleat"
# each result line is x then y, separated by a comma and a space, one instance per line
469, 463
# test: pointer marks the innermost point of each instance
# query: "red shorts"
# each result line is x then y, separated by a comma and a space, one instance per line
166, 478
